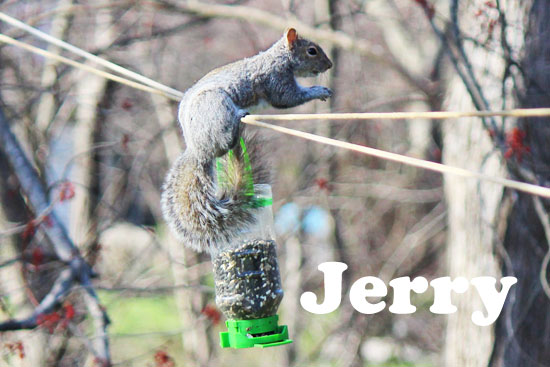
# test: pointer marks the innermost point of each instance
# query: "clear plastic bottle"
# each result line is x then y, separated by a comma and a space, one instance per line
246, 272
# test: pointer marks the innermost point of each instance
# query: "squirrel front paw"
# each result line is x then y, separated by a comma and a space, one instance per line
320, 92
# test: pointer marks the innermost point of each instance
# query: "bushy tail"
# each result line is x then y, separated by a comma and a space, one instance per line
206, 214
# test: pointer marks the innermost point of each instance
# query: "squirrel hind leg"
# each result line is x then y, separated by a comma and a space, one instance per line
211, 122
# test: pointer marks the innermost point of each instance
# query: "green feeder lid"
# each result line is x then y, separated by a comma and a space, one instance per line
260, 333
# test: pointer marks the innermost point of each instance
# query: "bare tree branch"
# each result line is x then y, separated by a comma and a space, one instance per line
59, 290
64, 248
334, 37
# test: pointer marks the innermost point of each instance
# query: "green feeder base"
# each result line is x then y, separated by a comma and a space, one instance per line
260, 333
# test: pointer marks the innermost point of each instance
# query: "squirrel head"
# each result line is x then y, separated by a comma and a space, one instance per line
307, 57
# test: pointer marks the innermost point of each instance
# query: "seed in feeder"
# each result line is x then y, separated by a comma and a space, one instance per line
244, 277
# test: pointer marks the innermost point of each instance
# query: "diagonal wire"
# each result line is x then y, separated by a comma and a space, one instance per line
158, 88
88, 68
108, 64
432, 166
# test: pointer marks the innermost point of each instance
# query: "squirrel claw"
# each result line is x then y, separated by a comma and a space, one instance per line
321, 92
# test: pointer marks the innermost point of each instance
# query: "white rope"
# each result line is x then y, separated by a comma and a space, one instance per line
158, 88
432, 166
91, 69
177, 95
520, 112
110, 65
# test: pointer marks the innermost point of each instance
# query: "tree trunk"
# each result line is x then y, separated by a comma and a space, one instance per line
473, 207
47, 104
473, 213
494, 232
90, 90
523, 330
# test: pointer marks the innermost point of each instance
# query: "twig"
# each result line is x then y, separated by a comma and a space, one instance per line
35, 222
388, 192
160, 33
60, 288
430, 225
101, 321
11, 261
334, 37
467, 64
75, 8
464, 75
156, 290
545, 222
258, 16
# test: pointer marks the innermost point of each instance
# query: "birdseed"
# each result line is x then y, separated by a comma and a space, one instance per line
248, 284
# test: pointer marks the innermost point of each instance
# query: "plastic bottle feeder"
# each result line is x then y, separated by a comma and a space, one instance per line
248, 283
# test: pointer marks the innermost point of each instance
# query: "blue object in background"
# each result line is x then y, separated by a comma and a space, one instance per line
314, 221
287, 218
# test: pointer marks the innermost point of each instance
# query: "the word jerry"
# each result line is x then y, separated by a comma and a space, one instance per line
492, 299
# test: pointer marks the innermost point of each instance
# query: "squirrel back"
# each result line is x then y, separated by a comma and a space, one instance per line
201, 212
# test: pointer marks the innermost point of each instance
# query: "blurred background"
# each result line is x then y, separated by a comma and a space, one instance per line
102, 150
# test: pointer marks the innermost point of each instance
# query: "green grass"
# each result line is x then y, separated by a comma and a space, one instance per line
141, 314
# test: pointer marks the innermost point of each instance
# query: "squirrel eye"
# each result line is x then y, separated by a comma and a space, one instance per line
312, 51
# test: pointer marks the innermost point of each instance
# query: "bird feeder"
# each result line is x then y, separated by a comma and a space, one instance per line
248, 282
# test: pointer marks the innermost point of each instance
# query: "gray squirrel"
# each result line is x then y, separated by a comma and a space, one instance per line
202, 214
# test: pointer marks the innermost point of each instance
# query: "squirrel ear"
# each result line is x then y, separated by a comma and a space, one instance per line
291, 37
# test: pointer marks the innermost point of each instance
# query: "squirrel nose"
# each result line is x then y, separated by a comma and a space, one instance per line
329, 64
